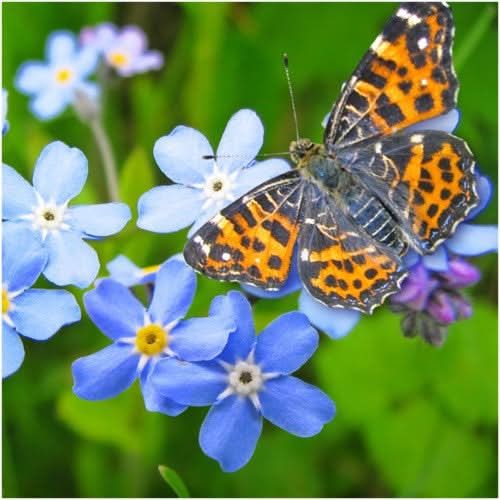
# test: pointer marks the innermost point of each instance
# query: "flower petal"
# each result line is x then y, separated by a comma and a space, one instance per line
446, 123
230, 432
234, 305
86, 61
437, 261
39, 314
12, 351
18, 196
180, 155
484, 191
200, 339
153, 400
106, 373
298, 408
99, 220
241, 141
133, 39
60, 47
286, 344
49, 104
473, 239
258, 173
165, 209
60, 172
114, 309
193, 384
123, 270
23, 257
32, 77
171, 303
146, 62
336, 323
71, 260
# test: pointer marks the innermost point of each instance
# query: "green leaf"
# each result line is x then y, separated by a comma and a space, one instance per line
174, 481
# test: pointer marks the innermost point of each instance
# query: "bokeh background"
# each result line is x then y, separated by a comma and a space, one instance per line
412, 420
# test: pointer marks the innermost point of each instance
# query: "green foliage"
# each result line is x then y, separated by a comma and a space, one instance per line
411, 420
174, 481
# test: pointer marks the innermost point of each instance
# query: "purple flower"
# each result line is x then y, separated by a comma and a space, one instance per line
124, 50
54, 84
141, 337
249, 381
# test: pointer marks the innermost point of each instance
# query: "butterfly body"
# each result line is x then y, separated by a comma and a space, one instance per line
354, 205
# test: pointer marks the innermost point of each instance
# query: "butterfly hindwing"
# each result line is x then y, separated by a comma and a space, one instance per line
251, 240
426, 179
406, 76
340, 265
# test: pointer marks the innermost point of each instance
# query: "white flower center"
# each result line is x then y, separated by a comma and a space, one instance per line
245, 378
218, 188
48, 217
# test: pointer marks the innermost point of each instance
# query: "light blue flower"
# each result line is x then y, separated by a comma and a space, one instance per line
124, 271
205, 186
60, 174
250, 380
124, 50
52, 84
34, 313
5, 123
141, 337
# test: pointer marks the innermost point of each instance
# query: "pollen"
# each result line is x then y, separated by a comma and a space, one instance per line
5, 302
64, 75
151, 339
118, 59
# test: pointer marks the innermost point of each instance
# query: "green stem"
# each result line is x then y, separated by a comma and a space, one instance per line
474, 35
108, 160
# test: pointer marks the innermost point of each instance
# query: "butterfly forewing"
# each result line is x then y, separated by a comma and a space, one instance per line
406, 76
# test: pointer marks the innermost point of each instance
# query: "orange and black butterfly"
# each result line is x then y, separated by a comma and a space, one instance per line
355, 204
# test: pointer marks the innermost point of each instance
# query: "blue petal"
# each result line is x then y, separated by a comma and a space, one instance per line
86, 61
446, 123
437, 261
295, 406
23, 257
39, 314
123, 270
234, 305
60, 172
473, 239
180, 155
114, 309
230, 432
49, 103
241, 141
106, 373
60, 47
165, 209
484, 191
411, 258
286, 344
171, 303
12, 351
18, 196
153, 400
336, 323
258, 173
71, 260
99, 220
32, 77
192, 384
203, 217
200, 339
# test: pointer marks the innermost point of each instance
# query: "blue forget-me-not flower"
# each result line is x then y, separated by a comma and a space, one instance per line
141, 337
251, 379
53, 84
5, 123
34, 313
60, 174
203, 186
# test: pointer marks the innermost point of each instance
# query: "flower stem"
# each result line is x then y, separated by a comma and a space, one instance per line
108, 160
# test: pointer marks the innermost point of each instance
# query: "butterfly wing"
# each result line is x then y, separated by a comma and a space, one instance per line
406, 76
425, 179
251, 240
341, 265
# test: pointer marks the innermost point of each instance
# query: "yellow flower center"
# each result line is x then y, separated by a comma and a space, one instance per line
151, 339
118, 59
5, 302
64, 75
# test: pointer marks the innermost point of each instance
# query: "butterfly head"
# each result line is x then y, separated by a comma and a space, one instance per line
300, 149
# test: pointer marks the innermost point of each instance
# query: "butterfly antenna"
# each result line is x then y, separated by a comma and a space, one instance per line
290, 91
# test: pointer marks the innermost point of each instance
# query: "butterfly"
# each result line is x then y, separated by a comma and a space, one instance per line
353, 206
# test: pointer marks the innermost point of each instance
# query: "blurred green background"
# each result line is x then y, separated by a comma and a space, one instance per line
412, 420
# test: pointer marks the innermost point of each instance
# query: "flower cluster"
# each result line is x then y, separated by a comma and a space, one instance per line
215, 361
